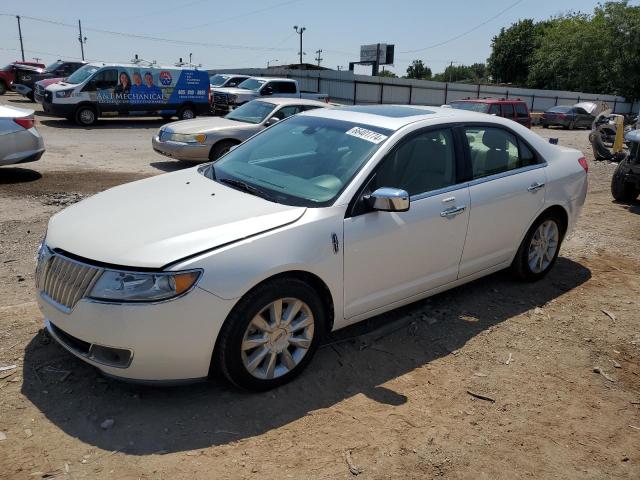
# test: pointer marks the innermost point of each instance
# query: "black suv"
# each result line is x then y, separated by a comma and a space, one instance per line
625, 183
58, 69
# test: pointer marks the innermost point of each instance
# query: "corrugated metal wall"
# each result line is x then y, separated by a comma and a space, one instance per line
344, 87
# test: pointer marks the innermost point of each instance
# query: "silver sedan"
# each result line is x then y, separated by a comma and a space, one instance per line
209, 138
20, 142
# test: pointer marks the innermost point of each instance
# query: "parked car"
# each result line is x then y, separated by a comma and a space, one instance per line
41, 86
20, 142
209, 138
58, 69
128, 89
513, 109
226, 99
625, 182
568, 117
220, 80
328, 217
11, 72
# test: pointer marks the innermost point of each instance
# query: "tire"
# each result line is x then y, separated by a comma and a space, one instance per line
275, 367
621, 190
3, 88
86, 115
572, 125
186, 112
521, 265
220, 148
167, 117
544, 125
31, 97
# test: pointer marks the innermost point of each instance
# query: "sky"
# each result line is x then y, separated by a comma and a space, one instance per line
250, 33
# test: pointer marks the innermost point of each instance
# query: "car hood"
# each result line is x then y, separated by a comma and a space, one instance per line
204, 125
157, 221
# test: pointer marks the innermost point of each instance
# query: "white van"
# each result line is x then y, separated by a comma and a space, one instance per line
100, 89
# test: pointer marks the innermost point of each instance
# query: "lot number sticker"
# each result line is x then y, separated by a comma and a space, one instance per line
368, 135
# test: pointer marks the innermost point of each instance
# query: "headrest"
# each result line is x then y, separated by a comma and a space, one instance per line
494, 139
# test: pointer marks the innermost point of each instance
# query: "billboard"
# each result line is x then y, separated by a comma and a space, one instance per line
385, 53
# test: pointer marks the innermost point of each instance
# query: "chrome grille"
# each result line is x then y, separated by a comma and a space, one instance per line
220, 98
63, 280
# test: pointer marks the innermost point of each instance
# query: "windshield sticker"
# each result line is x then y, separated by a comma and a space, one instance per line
368, 135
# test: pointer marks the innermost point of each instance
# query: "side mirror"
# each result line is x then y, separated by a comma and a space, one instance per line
390, 200
271, 121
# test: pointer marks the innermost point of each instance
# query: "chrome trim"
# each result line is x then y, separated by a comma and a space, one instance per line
535, 187
433, 193
390, 200
453, 211
508, 173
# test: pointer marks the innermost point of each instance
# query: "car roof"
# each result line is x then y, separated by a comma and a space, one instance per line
230, 75
489, 100
268, 79
394, 117
289, 101
140, 66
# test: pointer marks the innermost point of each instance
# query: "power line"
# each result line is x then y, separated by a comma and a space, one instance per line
154, 39
439, 44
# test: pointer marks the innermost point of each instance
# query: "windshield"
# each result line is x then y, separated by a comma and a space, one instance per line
218, 80
82, 74
52, 67
473, 106
251, 112
252, 84
303, 160
559, 109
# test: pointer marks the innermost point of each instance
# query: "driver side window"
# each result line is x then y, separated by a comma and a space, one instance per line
421, 164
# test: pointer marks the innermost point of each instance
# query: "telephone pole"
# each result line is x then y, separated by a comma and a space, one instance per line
300, 31
319, 58
81, 39
20, 35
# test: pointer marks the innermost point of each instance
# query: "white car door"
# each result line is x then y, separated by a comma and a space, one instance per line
392, 256
507, 192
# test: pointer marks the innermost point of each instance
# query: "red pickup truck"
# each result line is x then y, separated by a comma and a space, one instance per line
9, 73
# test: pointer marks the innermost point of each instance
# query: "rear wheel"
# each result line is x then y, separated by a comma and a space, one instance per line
544, 125
271, 334
220, 148
3, 88
86, 115
187, 112
538, 251
622, 190
572, 125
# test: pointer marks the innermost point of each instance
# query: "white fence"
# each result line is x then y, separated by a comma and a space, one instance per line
345, 87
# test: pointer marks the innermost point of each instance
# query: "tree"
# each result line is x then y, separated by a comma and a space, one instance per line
387, 73
475, 73
419, 70
512, 51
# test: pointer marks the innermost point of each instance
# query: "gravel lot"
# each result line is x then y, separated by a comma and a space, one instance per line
388, 398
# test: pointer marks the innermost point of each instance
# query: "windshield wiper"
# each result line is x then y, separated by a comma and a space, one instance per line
245, 187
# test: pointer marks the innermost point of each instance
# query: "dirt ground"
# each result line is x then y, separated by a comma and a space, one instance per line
388, 398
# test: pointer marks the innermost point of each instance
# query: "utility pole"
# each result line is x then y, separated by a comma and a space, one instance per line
269, 61
81, 39
300, 31
450, 70
319, 58
20, 35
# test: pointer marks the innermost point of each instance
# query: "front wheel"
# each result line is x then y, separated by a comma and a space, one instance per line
220, 149
86, 116
271, 335
539, 250
621, 190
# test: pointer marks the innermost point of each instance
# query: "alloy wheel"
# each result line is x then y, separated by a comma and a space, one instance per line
543, 246
277, 338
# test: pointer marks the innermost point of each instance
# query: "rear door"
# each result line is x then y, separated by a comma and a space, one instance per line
508, 111
284, 89
506, 193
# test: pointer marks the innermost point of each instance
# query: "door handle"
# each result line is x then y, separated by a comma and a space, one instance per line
453, 211
535, 187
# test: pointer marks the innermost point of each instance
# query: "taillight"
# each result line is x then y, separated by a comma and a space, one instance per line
583, 163
25, 122
561, 116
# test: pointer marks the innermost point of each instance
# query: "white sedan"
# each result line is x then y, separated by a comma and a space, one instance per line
325, 219
20, 142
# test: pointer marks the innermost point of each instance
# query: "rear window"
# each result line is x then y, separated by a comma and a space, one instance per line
521, 110
507, 110
472, 106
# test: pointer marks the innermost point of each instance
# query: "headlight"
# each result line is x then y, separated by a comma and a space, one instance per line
142, 287
187, 138
64, 93
232, 98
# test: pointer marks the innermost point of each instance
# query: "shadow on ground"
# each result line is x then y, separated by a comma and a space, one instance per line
173, 165
11, 175
106, 123
155, 420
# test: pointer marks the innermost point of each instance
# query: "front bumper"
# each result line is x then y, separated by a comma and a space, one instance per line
59, 109
170, 341
181, 151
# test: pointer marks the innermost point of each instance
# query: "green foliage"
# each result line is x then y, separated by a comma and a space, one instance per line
596, 53
419, 70
387, 73
476, 73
